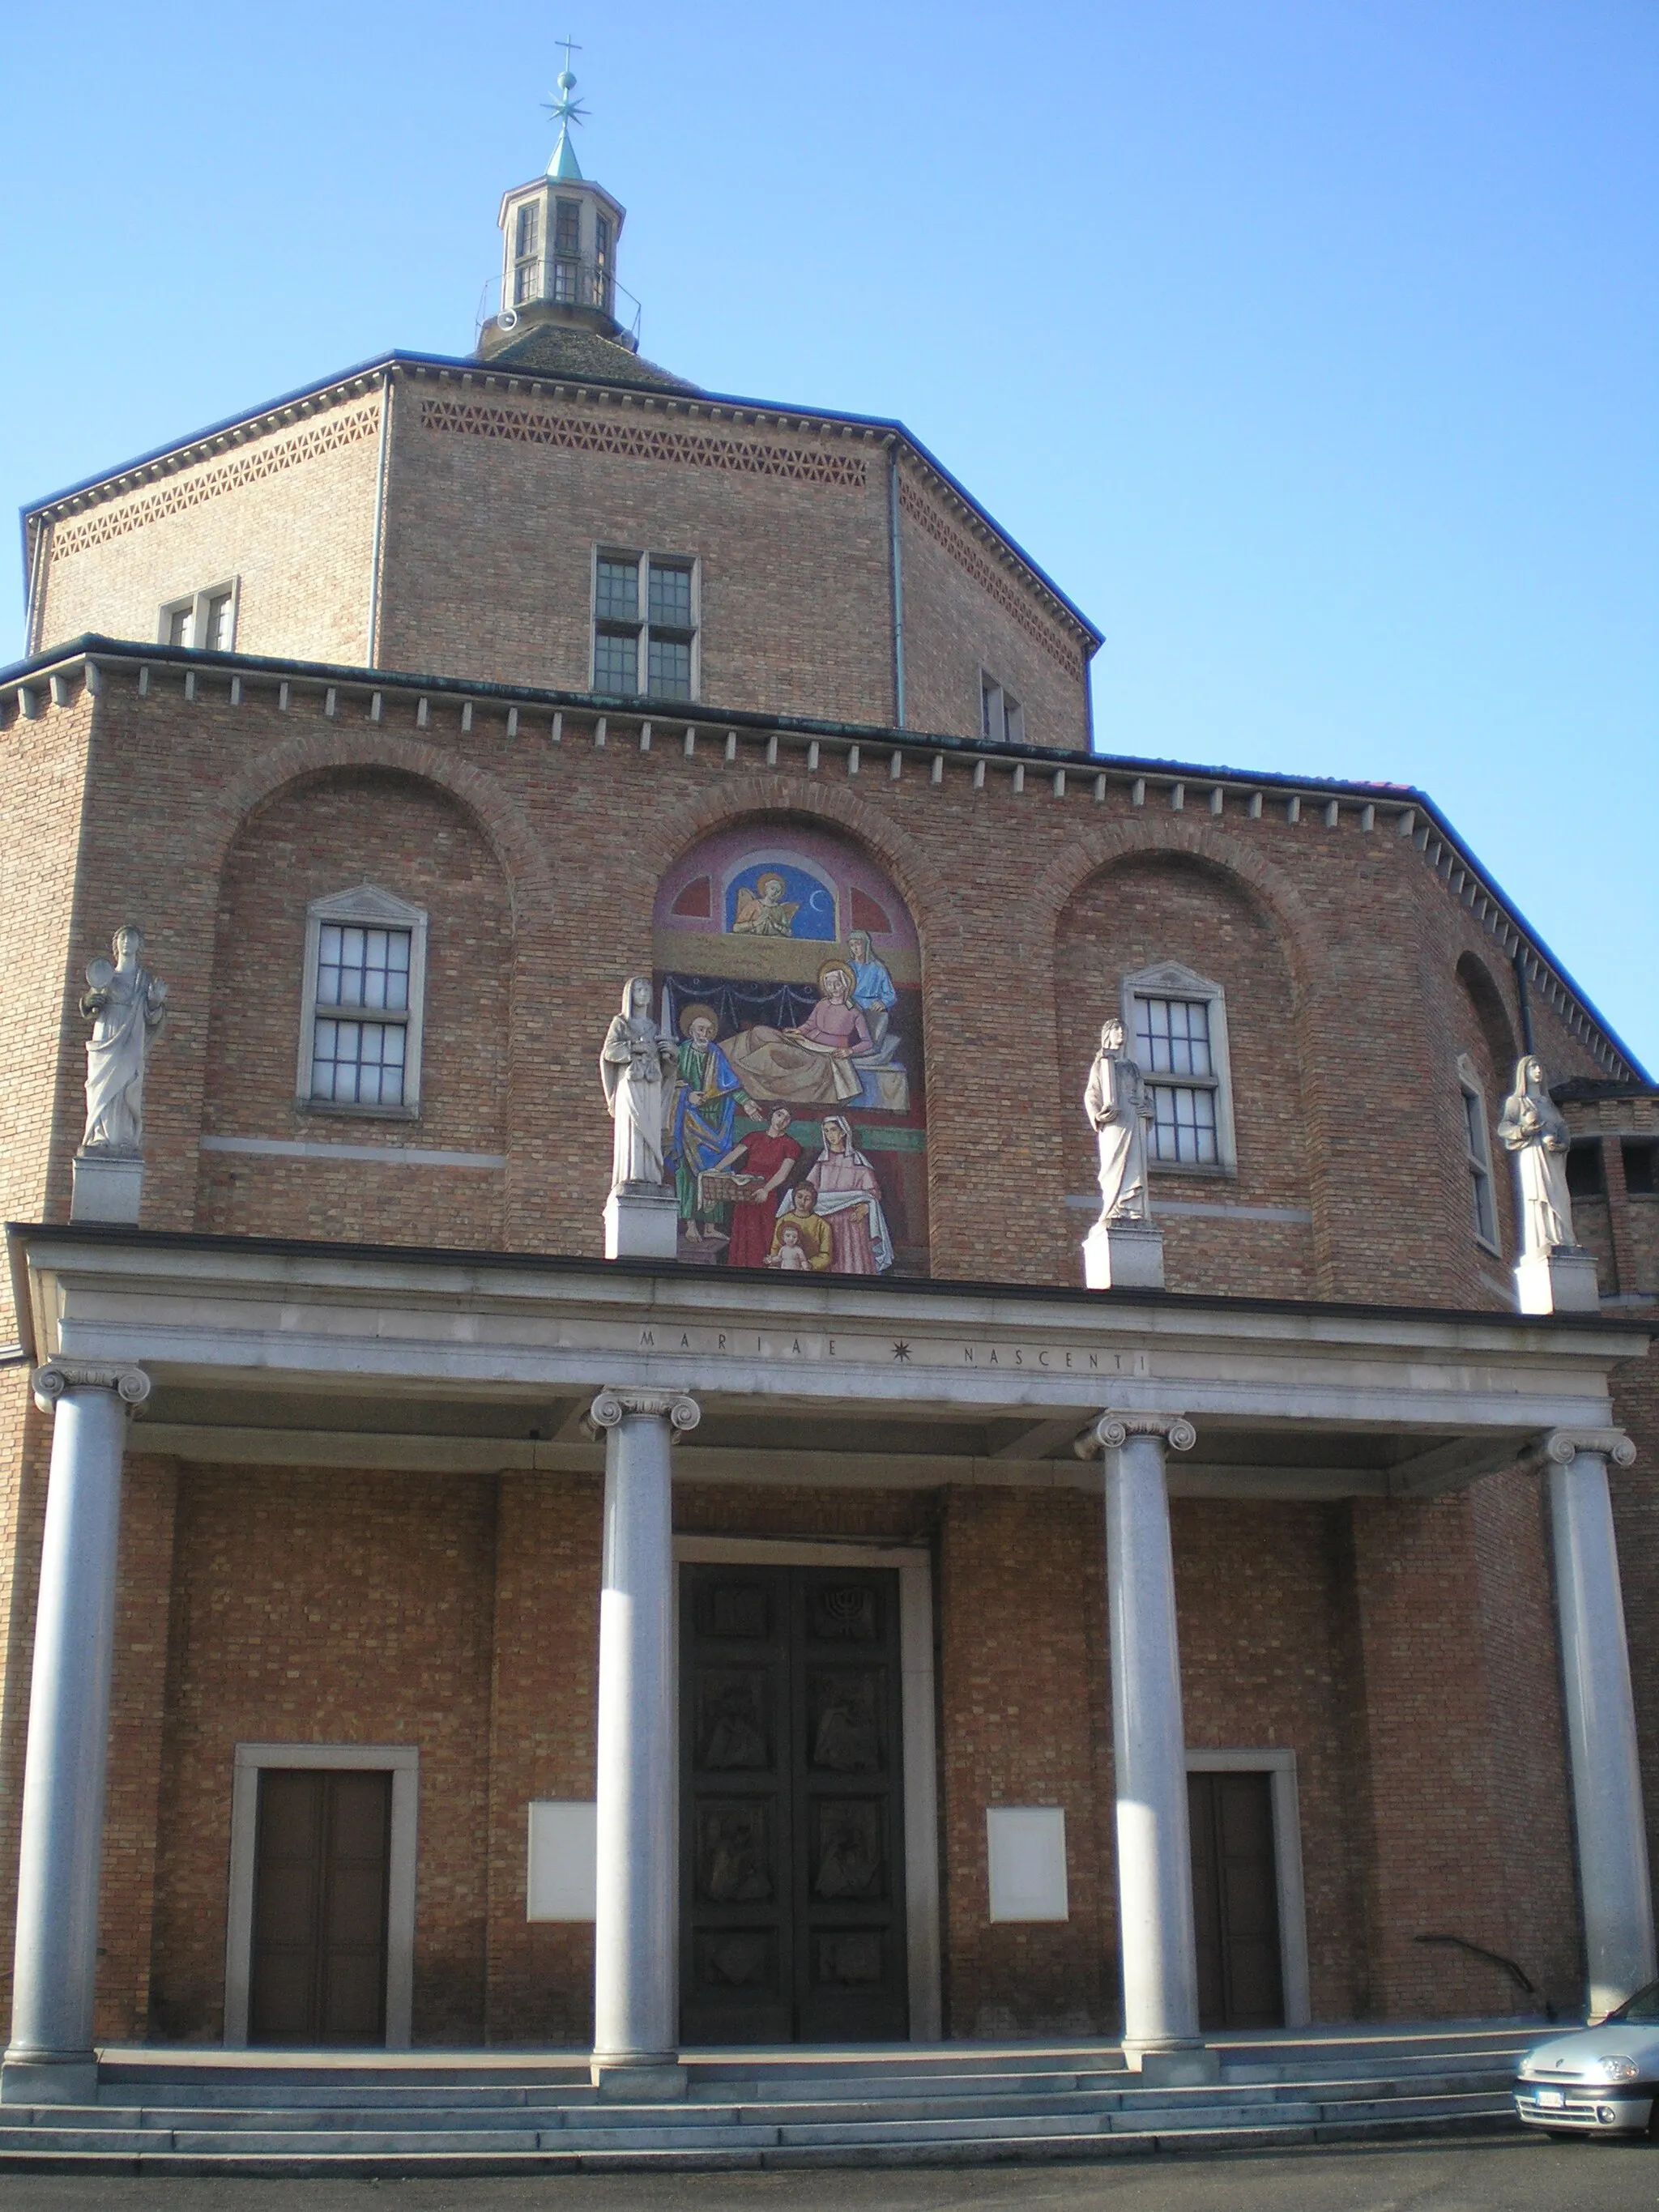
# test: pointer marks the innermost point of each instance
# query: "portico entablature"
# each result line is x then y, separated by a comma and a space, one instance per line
930, 1382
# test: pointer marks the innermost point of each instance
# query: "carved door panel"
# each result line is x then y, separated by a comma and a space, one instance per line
321, 1861
791, 1828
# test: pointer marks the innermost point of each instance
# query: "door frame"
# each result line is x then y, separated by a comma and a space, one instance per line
403, 1762
1281, 1766
917, 1720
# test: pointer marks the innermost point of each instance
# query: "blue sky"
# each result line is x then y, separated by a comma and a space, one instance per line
1311, 345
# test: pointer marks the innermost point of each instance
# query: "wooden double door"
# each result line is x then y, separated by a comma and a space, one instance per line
322, 1858
792, 1818
1235, 1900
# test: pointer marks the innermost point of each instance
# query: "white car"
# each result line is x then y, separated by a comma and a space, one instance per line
1597, 2080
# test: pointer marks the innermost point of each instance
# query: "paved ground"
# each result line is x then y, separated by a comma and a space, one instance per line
1499, 2174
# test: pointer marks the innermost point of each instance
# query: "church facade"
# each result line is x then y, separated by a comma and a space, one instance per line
527, 1522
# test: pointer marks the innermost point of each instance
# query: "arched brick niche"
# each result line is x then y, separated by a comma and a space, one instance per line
1241, 1225
787, 967
382, 846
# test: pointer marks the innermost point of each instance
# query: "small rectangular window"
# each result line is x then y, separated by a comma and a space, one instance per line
645, 625
567, 227
1585, 1178
365, 955
1172, 1037
1001, 717
671, 596
1483, 1200
205, 622
616, 664
525, 231
618, 597
1640, 1167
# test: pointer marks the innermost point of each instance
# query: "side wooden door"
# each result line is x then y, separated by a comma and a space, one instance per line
1235, 1900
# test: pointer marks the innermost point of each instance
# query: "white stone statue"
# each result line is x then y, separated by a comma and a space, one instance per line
127, 1005
636, 1067
1119, 1108
1532, 1126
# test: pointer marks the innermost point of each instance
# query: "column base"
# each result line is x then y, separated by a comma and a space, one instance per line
1171, 2065
642, 1225
72, 2080
639, 2082
106, 1187
1123, 1256
1557, 1282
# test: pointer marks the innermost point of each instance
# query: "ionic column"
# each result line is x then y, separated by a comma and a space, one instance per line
1154, 1851
1607, 1778
636, 1977
50, 2059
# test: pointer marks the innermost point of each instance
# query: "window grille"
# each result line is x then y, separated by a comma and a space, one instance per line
1178, 1021
362, 1015
1483, 1196
1001, 717
645, 625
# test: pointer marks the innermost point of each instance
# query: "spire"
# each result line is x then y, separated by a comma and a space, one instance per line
565, 110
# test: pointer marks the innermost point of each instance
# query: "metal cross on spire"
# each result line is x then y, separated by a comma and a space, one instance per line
565, 110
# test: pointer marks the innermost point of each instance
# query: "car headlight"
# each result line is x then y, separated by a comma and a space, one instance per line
1617, 2069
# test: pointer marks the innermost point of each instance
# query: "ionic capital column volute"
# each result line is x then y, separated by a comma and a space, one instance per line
1560, 1447
130, 1384
677, 1407
1114, 1430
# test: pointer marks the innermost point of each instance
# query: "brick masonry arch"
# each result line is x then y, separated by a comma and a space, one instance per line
505, 827
826, 807
1265, 888
1100, 849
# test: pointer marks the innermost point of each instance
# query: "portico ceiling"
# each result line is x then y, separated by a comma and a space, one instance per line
273, 1353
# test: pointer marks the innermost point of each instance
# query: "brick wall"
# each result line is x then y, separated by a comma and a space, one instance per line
327, 1608
288, 516
497, 493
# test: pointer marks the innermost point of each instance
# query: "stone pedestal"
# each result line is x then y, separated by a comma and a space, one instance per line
1562, 1281
635, 1972
641, 1222
50, 2059
1157, 1940
1616, 1897
108, 1186
1123, 1256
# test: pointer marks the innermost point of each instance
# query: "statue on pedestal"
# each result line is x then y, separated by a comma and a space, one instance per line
127, 1005
636, 1067
1532, 1126
1119, 1109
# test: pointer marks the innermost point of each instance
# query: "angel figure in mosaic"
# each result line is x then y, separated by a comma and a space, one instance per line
764, 912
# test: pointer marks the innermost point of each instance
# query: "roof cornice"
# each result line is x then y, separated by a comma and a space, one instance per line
718, 407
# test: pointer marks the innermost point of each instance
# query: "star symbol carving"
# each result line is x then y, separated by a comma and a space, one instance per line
900, 1351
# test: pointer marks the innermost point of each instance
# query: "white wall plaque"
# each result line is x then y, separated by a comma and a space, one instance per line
563, 1860
1026, 1849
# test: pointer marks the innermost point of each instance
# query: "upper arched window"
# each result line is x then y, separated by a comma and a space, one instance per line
789, 970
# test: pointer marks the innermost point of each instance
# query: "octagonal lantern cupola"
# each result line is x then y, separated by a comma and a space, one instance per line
559, 239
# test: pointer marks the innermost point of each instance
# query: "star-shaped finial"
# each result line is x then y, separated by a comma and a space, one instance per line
565, 110
901, 1352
